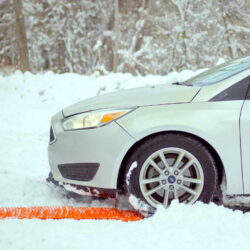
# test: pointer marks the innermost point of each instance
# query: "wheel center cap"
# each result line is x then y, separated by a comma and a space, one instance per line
171, 179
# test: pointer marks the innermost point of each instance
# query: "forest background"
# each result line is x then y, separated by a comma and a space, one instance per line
136, 36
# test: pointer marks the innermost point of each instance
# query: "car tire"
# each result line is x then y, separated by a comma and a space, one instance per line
170, 166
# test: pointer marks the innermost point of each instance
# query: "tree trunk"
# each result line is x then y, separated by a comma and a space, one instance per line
21, 36
224, 16
117, 36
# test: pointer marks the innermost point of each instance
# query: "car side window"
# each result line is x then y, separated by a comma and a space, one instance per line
239, 91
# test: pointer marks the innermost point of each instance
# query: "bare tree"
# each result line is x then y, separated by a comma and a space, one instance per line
21, 36
117, 36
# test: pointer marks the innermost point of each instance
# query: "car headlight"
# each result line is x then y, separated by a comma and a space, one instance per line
93, 119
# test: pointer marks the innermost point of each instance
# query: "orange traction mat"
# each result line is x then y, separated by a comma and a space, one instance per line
69, 212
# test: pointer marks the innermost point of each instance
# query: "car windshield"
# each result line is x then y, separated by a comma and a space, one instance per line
219, 73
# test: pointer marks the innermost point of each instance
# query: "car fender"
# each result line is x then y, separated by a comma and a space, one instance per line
214, 122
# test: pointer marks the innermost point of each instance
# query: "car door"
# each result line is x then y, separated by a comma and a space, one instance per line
244, 124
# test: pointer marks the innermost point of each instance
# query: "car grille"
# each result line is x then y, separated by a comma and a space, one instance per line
52, 136
79, 171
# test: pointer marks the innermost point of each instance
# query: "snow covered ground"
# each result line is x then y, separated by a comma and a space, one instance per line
27, 103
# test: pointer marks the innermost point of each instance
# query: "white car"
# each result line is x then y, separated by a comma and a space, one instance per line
159, 143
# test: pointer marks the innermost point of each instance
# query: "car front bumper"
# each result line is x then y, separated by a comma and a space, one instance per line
104, 147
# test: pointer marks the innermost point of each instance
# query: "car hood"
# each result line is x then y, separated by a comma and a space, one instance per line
144, 96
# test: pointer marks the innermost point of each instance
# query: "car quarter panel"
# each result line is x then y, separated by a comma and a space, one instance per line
105, 145
215, 122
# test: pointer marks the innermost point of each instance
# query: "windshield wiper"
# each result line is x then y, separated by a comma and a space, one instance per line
182, 83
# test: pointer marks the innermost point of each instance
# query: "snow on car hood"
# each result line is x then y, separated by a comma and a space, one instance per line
151, 95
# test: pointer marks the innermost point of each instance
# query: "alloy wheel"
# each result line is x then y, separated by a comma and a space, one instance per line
171, 173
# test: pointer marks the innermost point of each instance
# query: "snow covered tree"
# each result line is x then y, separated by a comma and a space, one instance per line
8, 50
21, 36
137, 36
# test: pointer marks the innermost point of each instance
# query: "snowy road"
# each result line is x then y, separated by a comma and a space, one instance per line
27, 102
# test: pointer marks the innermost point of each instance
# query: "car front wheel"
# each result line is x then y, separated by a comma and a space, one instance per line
171, 166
